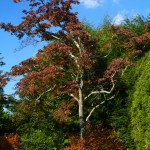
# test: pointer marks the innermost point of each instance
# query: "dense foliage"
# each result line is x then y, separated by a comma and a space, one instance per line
88, 81
5, 103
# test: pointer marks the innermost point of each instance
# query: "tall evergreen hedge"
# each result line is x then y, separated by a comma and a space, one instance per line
140, 107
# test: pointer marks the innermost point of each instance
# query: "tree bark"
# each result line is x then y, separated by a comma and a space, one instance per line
81, 114
81, 120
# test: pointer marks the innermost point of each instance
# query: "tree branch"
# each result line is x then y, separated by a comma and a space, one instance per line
38, 98
87, 118
77, 45
57, 38
73, 96
81, 45
74, 76
72, 56
124, 70
101, 91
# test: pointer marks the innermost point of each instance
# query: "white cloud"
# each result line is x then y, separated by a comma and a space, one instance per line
92, 3
115, 1
118, 19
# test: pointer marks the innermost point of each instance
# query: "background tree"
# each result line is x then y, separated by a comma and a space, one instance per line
34, 132
130, 38
5, 101
7, 127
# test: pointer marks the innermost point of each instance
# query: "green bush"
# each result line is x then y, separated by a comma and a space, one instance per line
42, 140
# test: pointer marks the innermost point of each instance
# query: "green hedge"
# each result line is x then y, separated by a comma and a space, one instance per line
140, 107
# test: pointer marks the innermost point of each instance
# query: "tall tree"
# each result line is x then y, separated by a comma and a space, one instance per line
68, 65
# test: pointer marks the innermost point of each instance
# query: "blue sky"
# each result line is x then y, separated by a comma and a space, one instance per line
93, 10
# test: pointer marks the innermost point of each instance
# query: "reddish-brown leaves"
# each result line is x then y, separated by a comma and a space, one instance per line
9, 141
85, 60
62, 114
42, 15
3, 80
141, 41
120, 31
131, 40
116, 66
97, 138
147, 27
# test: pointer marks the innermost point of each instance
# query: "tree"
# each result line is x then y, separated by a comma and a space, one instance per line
6, 102
67, 66
3, 101
132, 37
34, 132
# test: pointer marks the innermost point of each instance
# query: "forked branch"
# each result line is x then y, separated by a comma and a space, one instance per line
87, 118
101, 91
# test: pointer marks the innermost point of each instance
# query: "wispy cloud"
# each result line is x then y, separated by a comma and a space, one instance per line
118, 19
92, 3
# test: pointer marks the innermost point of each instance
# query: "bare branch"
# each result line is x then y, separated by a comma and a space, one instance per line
124, 70
72, 56
107, 54
57, 38
87, 118
101, 91
74, 76
38, 98
77, 45
82, 46
73, 96
70, 53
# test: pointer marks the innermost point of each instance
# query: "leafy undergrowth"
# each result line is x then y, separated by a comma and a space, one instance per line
97, 138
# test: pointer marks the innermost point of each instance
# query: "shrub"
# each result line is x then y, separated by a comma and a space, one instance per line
41, 140
96, 138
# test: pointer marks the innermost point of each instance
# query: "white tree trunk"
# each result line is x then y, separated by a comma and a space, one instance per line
81, 111
81, 116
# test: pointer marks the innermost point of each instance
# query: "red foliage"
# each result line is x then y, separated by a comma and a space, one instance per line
3, 80
131, 40
42, 15
116, 66
62, 114
120, 31
97, 138
9, 141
